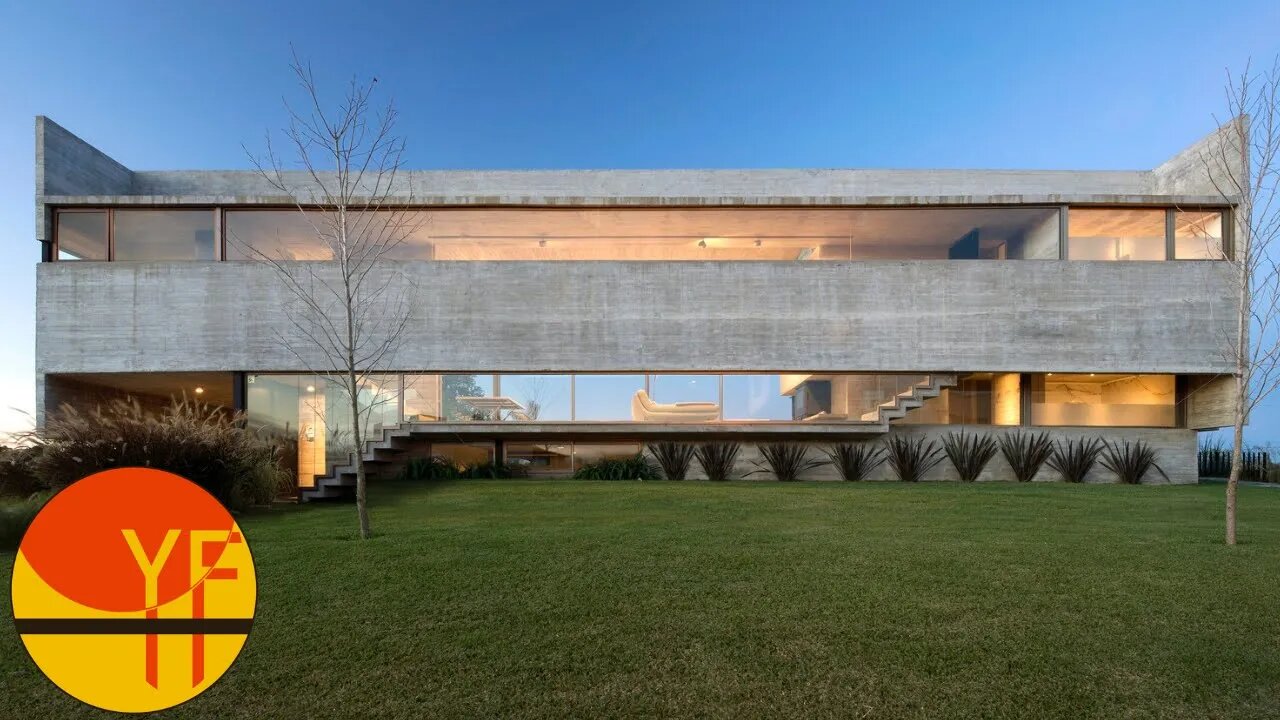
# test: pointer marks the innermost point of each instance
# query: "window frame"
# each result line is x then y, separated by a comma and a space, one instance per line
219, 244
1170, 229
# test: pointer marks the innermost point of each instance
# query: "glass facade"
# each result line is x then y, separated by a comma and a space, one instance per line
312, 411
650, 234
976, 398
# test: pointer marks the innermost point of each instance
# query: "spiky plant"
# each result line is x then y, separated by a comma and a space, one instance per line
787, 460
911, 459
718, 458
1130, 461
1026, 453
1073, 459
855, 461
673, 457
969, 454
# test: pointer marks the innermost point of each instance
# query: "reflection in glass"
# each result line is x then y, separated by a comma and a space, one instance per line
1103, 400
755, 397
144, 235
1116, 234
607, 397
454, 389
311, 235
551, 458
587, 453
1197, 235
422, 398
82, 235
540, 397
464, 454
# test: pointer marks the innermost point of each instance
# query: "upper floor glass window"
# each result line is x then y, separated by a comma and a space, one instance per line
1197, 235
1116, 234
82, 234
668, 234
142, 235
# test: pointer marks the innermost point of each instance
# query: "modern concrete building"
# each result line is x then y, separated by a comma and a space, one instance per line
564, 316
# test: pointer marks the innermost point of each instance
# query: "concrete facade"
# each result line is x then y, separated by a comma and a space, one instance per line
881, 316
876, 316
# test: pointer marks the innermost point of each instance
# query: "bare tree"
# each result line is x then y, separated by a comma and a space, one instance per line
1243, 166
349, 314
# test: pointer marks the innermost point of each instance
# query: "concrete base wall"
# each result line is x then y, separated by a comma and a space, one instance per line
1175, 453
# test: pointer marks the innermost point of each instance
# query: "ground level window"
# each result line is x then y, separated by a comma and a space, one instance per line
1103, 400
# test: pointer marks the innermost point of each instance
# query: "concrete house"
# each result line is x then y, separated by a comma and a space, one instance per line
566, 316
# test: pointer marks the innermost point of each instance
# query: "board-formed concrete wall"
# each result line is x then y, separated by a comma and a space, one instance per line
1175, 453
919, 316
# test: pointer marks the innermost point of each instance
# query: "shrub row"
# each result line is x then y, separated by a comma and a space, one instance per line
911, 459
442, 468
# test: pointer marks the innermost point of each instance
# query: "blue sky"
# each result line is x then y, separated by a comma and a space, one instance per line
1100, 85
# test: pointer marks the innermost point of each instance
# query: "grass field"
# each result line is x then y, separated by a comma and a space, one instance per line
595, 599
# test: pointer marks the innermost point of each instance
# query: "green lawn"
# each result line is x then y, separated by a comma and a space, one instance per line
594, 599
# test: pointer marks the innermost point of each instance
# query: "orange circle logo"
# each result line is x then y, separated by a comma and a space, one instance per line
133, 590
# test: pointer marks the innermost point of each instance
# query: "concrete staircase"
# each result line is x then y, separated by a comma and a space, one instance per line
391, 448
909, 399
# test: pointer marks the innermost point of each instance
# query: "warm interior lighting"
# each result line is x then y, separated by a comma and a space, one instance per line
199, 391
311, 388
1051, 373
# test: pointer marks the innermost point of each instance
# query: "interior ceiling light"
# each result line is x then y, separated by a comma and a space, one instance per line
199, 390
311, 388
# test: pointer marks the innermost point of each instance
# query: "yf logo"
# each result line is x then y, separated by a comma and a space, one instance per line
133, 590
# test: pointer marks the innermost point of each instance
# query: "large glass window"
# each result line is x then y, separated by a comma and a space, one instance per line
421, 398
164, 235
291, 234
1102, 399
777, 234
976, 399
610, 397
465, 397
541, 398
82, 234
548, 459
755, 397
1197, 235
1116, 234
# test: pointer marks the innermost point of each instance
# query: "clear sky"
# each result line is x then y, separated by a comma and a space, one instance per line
1089, 85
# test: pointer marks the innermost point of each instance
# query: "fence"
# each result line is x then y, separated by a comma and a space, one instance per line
1216, 463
